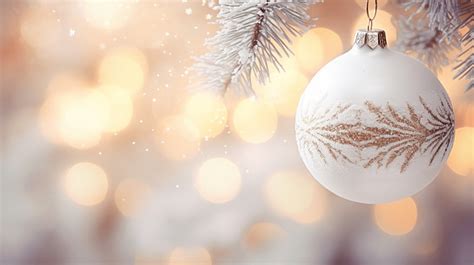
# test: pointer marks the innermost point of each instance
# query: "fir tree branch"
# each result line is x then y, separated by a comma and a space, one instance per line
253, 36
443, 21
428, 45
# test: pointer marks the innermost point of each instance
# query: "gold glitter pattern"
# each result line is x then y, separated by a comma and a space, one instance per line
391, 134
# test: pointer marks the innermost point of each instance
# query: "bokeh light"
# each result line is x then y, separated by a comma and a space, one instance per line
295, 195
461, 159
315, 48
121, 109
86, 184
466, 114
396, 218
49, 113
208, 112
178, 137
382, 21
130, 195
454, 87
40, 30
75, 117
124, 69
284, 91
218, 180
168, 175
190, 256
106, 14
255, 121
262, 233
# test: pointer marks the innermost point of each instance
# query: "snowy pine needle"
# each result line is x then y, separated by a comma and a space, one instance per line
439, 12
428, 45
443, 20
465, 67
253, 36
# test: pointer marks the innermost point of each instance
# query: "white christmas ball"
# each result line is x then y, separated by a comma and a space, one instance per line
374, 125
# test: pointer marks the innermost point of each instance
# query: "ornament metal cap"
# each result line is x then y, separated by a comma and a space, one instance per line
372, 38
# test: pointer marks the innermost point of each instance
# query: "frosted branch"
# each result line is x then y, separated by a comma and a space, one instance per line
253, 36
436, 27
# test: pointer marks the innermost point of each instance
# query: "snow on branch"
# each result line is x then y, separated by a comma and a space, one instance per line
429, 45
435, 28
253, 36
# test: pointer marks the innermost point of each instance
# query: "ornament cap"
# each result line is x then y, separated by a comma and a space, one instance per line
372, 38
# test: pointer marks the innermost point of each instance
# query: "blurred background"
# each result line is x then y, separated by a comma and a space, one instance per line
108, 158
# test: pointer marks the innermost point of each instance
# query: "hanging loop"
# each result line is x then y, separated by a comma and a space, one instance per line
370, 17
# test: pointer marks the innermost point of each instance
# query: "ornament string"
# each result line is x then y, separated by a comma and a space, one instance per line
370, 17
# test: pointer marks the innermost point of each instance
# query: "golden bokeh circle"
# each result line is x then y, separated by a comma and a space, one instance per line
40, 30
315, 48
121, 109
83, 119
218, 180
75, 117
255, 121
261, 233
396, 218
105, 14
295, 195
86, 184
57, 91
123, 69
454, 87
284, 91
461, 159
208, 112
178, 137
129, 195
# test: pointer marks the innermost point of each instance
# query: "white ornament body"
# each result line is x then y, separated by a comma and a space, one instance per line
374, 125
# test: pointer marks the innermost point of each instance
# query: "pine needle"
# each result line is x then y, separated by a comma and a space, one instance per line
253, 36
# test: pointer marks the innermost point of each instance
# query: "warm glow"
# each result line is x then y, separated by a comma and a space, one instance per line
208, 112
129, 195
296, 196
461, 159
58, 88
178, 138
121, 109
86, 184
466, 114
75, 117
262, 233
218, 180
83, 118
65, 81
255, 121
106, 14
123, 69
396, 218
454, 87
40, 30
190, 256
315, 48
283, 90
382, 21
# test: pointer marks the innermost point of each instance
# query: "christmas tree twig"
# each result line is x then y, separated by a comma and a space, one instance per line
437, 27
253, 36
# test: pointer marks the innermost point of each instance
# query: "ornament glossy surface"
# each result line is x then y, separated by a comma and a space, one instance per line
374, 125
